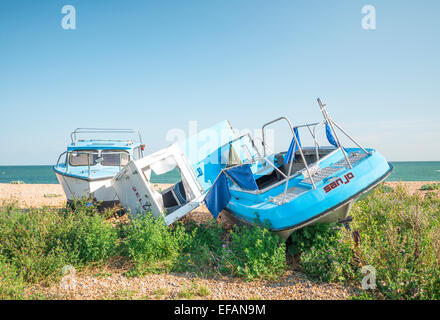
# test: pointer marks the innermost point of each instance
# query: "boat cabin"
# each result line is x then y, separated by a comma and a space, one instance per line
98, 158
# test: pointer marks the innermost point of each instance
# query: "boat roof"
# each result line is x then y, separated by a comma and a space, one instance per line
104, 138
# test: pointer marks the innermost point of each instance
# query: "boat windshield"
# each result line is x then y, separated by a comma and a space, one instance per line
83, 157
114, 158
104, 157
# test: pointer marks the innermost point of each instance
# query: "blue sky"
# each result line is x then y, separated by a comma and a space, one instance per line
155, 65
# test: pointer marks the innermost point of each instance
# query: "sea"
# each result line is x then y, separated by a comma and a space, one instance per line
403, 171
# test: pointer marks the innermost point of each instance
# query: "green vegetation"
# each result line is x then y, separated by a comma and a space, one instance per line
194, 290
158, 293
36, 243
255, 253
17, 182
153, 246
325, 252
205, 250
11, 283
430, 187
51, 195
400, 238
39, 242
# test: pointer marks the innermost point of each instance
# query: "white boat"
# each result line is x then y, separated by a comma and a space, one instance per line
89, 164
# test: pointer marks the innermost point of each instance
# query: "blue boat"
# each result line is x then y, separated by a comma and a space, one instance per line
290, 190
88, 165
238, 176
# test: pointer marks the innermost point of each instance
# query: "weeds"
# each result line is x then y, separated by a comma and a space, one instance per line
430, 187
152, 245
254, 253
400, 238
158, 293
17, 182
51, 195
11, 283
39, 242
193, 290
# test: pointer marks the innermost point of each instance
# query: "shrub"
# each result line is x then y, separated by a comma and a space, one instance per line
24, 235
254, 252
203, 251
432, 186
39, 242
11, 283
152, 245
330, 257
305, 238
400, 238
86, 238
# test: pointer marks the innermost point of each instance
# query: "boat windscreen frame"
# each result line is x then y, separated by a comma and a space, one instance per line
73, 135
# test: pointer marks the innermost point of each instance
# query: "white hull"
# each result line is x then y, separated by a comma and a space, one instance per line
75, 188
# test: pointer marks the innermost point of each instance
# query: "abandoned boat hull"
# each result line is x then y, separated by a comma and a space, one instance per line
100, 189
329, 202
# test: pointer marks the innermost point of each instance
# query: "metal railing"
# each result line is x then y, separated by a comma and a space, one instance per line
312, 130
73, 135
297, 144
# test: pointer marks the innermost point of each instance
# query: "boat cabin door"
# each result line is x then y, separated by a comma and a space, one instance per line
136, 188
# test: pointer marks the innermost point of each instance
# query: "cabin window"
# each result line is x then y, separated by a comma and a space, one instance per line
114, 158
83, 157
167, 171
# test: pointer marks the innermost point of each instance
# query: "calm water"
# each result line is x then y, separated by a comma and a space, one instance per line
45, 175
404, 171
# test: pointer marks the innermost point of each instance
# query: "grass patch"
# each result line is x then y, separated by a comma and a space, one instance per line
103, 274
51, 195
203, 291
123, 294
159, 293
194, 290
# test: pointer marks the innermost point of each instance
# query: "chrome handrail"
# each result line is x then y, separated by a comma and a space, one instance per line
299, 148
329, 121
59, 157
73, 135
